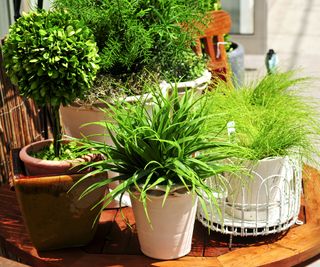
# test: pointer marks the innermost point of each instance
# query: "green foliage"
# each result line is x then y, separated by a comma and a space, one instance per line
136, 34
185, 67
51, 57
69, 151
271, 117
205, 5
159, 142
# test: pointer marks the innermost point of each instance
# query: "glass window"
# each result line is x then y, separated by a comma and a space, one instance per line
6, 17
242, 13
249, 24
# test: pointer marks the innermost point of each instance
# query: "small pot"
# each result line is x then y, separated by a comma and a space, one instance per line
236, 61
169, 233
35, 166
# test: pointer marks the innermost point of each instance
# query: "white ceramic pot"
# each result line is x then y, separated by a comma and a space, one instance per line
263, 194
76, 119
169, 236
198, 84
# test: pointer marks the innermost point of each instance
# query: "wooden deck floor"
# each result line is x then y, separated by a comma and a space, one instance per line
115, 244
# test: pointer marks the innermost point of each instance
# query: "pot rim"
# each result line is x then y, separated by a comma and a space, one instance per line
24, 154
164, 86
160, 190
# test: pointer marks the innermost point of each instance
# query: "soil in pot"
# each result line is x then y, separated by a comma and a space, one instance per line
37, 166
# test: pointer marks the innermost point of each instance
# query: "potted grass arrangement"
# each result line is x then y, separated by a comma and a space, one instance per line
157, 155
277, 128
53, 59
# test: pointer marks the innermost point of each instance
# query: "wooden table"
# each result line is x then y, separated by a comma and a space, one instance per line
115, 244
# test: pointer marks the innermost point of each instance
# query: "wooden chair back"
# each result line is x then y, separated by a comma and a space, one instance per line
212, 41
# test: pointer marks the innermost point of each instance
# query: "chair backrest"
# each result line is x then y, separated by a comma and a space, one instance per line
212, 41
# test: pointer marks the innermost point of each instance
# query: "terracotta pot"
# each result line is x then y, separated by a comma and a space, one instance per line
35, 166
169, 236
54, 216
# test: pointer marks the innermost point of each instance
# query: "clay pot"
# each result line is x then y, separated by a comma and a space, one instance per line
54, 215
35, 166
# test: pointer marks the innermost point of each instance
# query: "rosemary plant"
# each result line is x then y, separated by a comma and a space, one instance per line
132, 35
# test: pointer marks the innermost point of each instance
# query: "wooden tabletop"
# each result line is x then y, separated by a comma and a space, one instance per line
116, 244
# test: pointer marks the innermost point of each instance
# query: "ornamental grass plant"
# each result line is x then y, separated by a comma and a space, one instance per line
270, 117
159, 143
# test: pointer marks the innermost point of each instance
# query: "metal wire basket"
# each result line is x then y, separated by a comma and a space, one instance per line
265, 203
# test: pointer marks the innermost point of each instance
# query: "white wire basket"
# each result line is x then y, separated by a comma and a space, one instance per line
267, 203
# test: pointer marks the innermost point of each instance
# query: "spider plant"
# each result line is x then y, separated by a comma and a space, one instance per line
159, 142
271, 117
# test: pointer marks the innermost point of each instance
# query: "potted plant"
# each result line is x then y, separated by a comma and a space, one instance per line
53, 59
276, 127
134, 36
139, 43
157, 155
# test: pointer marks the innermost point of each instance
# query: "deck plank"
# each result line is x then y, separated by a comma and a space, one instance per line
311, 185
117, 245
122, 235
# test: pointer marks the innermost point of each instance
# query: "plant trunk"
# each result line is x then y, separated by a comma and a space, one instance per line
56, 129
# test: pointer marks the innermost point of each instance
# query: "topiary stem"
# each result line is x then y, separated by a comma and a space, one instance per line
56, 129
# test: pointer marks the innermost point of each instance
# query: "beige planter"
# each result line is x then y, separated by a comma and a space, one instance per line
75, 118
169, 236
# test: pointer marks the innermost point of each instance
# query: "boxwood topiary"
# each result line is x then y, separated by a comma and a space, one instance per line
52, 58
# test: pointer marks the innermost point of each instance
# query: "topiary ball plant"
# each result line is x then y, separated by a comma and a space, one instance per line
53, 59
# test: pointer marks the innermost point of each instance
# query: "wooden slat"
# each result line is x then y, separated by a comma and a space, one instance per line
213, 33
103, 231
198, 238
311, 184
298, 245
219, 23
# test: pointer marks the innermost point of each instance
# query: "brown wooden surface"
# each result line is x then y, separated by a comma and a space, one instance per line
116, 244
